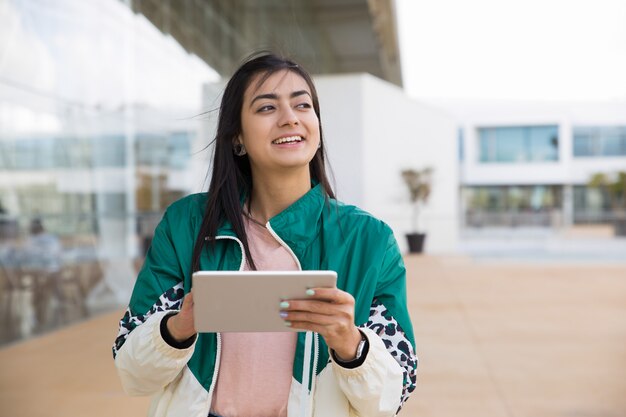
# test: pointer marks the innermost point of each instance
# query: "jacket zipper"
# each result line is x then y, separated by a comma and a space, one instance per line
316, 347
219, 335
217, 369
283, 244
315, 340
243, 252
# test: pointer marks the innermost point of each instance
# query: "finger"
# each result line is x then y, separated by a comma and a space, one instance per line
334, 295
333, 341
313, 318
313, 306
303, 325
189, 298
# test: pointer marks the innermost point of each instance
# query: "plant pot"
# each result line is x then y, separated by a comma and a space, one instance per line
416, 242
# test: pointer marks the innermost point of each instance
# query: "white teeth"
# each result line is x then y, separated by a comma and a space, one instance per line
288, 140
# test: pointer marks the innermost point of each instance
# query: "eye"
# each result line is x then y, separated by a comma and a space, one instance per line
304, 106
265, 108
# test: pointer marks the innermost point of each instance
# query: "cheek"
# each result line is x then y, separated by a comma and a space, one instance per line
314, 126
251, 130
316, 135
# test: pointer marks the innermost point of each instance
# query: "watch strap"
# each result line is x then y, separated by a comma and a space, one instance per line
361, 354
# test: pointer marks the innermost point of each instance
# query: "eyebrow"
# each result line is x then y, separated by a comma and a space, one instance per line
273, 96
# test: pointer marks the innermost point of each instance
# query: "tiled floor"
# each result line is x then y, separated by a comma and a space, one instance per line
518, 340
493, 340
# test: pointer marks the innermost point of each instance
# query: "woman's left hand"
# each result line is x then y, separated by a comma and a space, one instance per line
329, 312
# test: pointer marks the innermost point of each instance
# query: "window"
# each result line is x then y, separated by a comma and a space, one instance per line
171, 150
179, 148
591, 205
518, 144
512, 205
151, 150
109, 151
590, 141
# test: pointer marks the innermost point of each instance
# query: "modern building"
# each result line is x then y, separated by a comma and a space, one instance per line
103, 149
100, 103
106, 111
530, 163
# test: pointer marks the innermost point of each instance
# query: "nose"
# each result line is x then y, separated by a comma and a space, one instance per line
288, 117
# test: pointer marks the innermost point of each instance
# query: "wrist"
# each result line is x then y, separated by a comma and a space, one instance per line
174, 330
349, 351
169, 338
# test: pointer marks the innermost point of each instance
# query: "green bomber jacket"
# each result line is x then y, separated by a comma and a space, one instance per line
322, 234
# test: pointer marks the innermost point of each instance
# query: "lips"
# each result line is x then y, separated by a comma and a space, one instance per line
288, 139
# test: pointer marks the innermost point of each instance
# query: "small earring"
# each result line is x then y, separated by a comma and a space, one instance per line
239, 149
319, 145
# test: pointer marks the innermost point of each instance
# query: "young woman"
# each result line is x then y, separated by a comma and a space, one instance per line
270, 207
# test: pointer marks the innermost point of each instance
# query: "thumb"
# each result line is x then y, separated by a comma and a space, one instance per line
187, 302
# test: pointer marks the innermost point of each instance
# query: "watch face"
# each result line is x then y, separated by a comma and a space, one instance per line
359, 349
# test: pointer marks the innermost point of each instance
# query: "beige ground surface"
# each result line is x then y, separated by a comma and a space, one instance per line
493, 340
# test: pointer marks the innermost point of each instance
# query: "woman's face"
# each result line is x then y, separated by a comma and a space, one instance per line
280, 129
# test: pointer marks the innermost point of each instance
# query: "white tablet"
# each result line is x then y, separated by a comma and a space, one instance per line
248, 301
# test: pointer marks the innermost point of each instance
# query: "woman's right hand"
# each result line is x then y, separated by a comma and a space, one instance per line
181, 326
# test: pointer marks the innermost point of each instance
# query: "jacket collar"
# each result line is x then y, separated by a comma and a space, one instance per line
298, 225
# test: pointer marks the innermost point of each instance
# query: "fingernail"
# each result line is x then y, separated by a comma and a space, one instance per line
283, 314
310, 292
284, 304
288, 323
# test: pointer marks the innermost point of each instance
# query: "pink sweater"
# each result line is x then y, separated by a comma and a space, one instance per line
255, 368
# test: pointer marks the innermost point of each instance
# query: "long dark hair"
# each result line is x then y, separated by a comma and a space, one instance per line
231, 174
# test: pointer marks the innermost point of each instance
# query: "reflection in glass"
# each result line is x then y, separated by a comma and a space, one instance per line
96, 135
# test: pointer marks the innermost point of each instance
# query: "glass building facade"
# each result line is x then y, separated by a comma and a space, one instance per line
512, 206
591, 205
594, 204
97, 131
518, 144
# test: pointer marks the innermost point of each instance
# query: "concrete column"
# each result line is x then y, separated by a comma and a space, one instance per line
568, 205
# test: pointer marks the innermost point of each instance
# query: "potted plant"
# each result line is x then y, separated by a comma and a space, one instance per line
614, 186
418, 183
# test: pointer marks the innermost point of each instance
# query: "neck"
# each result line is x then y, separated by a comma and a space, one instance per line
272, 194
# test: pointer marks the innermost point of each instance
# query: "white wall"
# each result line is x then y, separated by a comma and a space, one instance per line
342, 112
373, 131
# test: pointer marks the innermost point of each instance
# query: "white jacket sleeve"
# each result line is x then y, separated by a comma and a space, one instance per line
146, 363
374, 389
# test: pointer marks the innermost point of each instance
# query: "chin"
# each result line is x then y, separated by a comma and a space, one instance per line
295, 161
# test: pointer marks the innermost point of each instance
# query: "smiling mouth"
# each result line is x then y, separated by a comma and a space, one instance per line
289, 139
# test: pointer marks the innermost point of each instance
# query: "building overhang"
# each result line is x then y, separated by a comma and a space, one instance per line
325, 36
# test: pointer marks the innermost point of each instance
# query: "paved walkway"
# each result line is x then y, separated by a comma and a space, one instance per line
544, 246
498, 340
